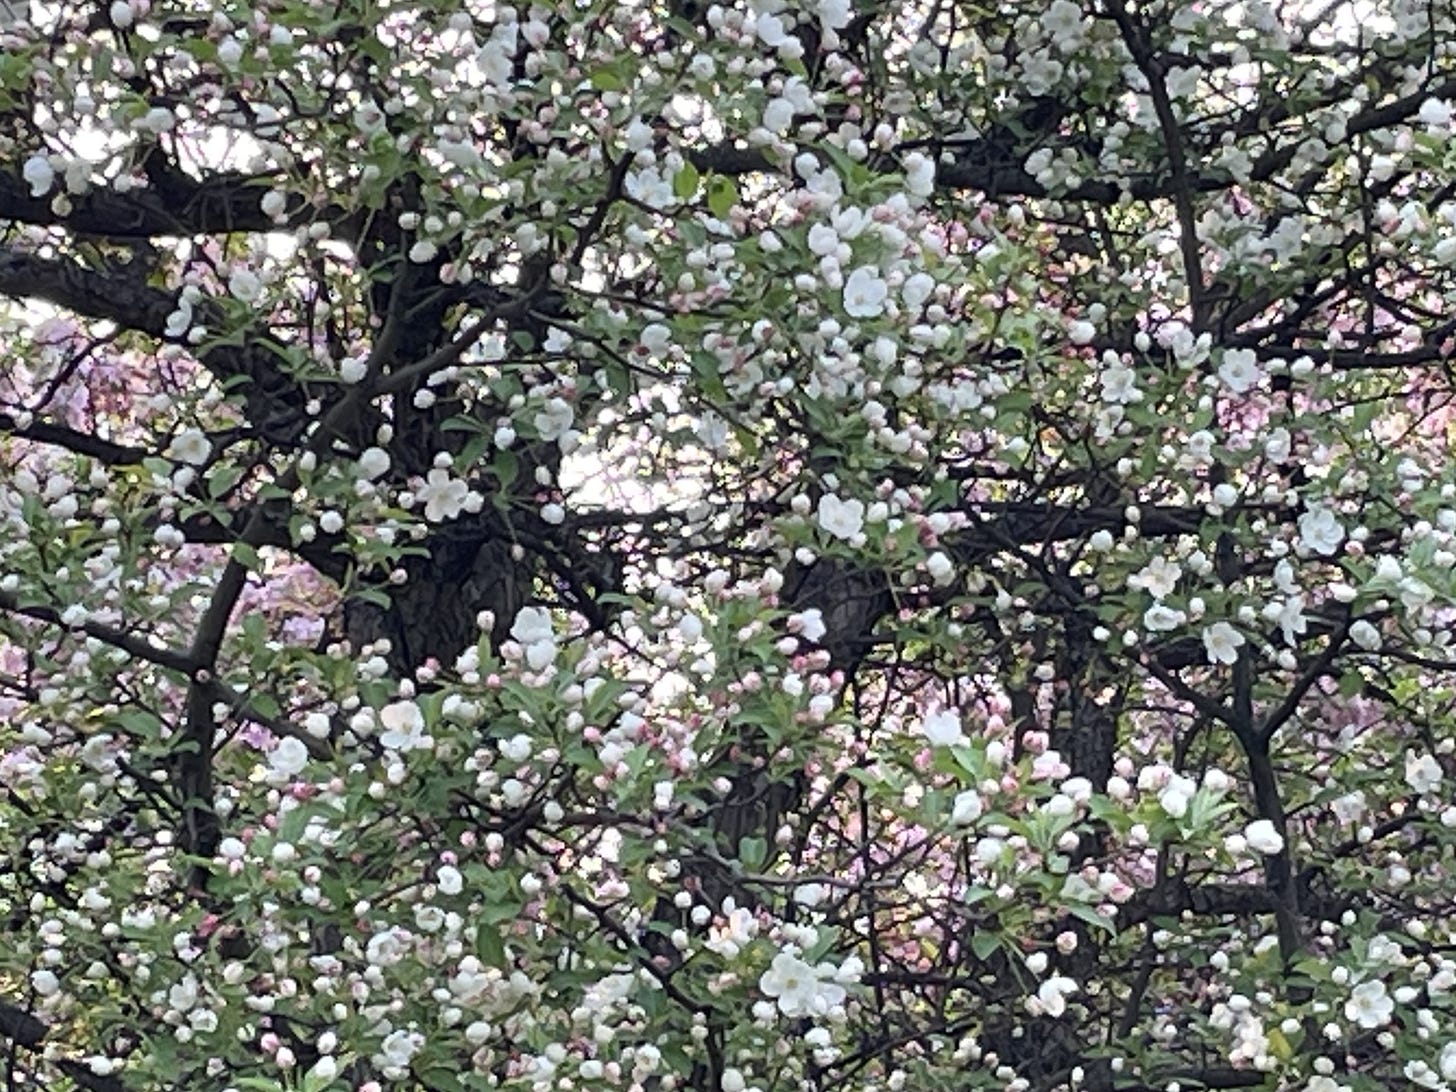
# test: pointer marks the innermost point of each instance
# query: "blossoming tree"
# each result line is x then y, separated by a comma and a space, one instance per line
755, 546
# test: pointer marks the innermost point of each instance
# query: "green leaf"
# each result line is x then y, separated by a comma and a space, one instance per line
1278, 1045
983, 944
506, 467
266, 704
722, 195
753, 852
462, 423
608, 79
490, 947
497, 913
222, 479
441, 1078
685, 183
245, 555
1091, 917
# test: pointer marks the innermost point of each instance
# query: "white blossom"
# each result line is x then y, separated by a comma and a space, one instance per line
1366, 635
1053, 994
865, 292
1435, 113
1320, 532
919, 174
1263, 837
967, 808
229, 52
940, 568
38, 173
1369, 1005
808, 624
532, 624
798, 989
190, 446
404, 727
841, 518
1175, 798
1239, 370
943, 728
399, 1047
533, 630
1158, 577
274, 203
554, 419
444, 496
834, 14
1222, 642
373, 463
1422, 772
288, 757
1160, 619
1119, 385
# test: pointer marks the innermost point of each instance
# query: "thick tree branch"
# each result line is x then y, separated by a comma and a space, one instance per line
127, 641
82, 443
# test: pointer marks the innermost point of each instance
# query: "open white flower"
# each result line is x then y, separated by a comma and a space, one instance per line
841, 518
190, 446
834, 14
1435, 113
444, 496
864, 293
798, 989
808, 624
532, 624
734, 933
1053, 994
1158, 577
1119, 385
1222, 643
518, 748
1320, 532
1369, 1005
1160, 619
245, 285
404, 727
916, 290
771, 31
1063, 21
398, 1048
1239, 370
1447, 1062
942, 728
